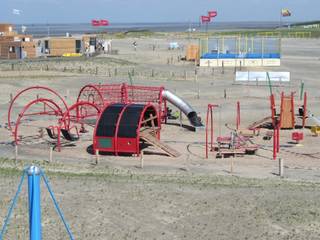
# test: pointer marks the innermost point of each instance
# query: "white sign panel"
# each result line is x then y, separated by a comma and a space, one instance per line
262, 76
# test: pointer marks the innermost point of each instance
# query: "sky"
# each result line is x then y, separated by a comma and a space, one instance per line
142, 11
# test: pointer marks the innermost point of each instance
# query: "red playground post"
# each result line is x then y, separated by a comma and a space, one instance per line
210, 118
276, 140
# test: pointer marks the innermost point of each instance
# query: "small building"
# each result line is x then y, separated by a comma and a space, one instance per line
6, 29
192, 52
60, 46
14, 45
17, 46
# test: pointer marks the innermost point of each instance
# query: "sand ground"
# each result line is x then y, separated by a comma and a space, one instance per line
184, 198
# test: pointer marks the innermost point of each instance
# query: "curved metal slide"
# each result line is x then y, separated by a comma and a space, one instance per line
178, 102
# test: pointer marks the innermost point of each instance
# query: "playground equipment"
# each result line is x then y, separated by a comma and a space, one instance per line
91, 101
121, 126
103, 94
34, 174
297, 136
64, 118
315, 130
235, 144
55, 99
287, 116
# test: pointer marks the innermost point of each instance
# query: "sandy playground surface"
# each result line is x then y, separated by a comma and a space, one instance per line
183, 198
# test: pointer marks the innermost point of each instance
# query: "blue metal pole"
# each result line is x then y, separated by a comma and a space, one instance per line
34, 175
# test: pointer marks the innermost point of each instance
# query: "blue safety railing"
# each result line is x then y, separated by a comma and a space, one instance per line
241, 56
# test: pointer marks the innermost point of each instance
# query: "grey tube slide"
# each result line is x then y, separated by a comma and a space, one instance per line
184, 107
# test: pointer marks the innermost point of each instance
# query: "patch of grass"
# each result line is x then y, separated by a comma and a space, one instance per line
125, 175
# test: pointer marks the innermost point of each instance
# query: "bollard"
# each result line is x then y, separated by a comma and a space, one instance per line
115, 71
141, 160
152, 73
12, 67
34, 203
231, 165
67, 94
109, 72
185, 75
11, 97
225, 94
222, 71
198, 91
80, 69
16, 153
180, 118
97, 157
50, 153
280, 167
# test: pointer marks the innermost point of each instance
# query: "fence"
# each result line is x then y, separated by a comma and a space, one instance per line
240, 45
135, 72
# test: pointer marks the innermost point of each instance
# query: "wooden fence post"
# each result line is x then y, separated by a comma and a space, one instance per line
97, 157
50, 153
16, 153
281, 167
141, 160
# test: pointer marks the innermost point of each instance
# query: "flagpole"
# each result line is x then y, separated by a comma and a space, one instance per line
280, 19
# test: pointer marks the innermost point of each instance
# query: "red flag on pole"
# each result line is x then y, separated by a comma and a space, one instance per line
212, 14
104, 22
205, 19
95, 23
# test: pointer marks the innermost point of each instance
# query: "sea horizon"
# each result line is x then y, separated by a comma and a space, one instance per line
61, 29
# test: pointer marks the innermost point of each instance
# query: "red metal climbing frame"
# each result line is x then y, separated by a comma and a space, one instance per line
44, 91
49, 108
104, 94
